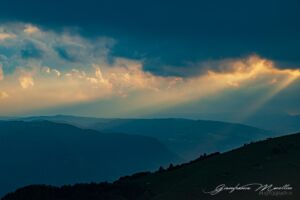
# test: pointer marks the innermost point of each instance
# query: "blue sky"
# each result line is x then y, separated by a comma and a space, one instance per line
165, 46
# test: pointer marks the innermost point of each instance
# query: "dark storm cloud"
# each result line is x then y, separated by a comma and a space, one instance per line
173, 33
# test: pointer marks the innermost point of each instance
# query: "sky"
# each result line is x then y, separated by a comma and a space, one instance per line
224, 60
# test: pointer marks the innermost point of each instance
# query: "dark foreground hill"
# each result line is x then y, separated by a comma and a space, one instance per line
51, 153
273, 161
186, 138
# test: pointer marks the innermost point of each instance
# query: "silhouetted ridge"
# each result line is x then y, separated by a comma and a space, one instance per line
273, 161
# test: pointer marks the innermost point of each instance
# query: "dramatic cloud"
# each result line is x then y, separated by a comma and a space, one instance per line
29, 29
4, 36
26, 82
63, 69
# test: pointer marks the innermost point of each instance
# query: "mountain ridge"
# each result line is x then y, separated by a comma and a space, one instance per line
187, 138
274, 161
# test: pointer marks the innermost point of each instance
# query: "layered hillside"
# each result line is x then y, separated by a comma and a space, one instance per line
275, 162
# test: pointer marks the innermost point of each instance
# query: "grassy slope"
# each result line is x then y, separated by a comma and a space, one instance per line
275, 161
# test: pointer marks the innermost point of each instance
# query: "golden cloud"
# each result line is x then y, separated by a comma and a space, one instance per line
30, 29
4, 36
126, 78
26, 81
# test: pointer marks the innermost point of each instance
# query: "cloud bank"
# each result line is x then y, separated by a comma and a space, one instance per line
45, 69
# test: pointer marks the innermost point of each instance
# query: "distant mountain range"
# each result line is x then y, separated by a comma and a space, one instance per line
54, 153
186, 138
275, 162
67, 149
